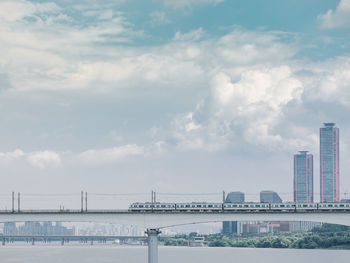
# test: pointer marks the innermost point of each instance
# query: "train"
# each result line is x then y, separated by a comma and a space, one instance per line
236, 207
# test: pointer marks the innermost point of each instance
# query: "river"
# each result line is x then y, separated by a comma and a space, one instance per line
121, 254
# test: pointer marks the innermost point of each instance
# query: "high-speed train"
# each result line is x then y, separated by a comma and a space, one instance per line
238, 207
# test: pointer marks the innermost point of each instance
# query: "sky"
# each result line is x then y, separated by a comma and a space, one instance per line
176, 96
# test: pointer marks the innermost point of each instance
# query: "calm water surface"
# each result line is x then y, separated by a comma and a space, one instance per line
120, 254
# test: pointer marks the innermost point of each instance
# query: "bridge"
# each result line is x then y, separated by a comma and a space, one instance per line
154, 221
66, 238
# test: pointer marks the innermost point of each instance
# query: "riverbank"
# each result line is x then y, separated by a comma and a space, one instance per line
324, 237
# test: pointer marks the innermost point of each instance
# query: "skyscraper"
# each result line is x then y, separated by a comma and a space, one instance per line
303, 177
329, 163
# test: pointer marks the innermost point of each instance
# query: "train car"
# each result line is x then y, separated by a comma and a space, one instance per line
306, 206
334, 206
191, 207
282, 207
152, 207
245, 206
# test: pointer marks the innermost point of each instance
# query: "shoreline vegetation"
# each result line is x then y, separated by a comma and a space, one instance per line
325, 237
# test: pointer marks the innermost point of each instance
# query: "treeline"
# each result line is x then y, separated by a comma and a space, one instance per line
326, 236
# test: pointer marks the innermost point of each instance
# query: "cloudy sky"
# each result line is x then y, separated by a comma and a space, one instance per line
126, 96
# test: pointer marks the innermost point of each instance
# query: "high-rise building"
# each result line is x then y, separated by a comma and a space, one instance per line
303, 177
229, 227
270, 197
329, 163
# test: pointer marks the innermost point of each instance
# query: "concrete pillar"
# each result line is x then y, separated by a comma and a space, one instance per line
153, 245
33, 241
3, 241
62, 241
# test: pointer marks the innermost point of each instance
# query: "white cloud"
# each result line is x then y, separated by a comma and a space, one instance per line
340, 17
110, 155
16, 10
43, 159
159, 17
10, 156
189, 3
190, 36
248, 109
325, 85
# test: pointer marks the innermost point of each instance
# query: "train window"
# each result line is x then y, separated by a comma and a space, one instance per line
234, 205
281, 205
140, 206
199, 206
210, 205
162, 206
257, 206
246, 205
341, 205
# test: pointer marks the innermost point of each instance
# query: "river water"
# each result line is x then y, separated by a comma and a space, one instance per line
121, 254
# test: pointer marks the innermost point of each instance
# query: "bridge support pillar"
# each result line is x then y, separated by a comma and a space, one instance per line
153, 245
3, 241
33, 241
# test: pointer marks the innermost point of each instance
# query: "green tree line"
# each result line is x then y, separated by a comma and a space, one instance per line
324, 237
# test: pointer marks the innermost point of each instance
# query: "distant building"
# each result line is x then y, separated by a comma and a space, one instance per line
231, 227
196, 242
303, 178
269, 197
36, 228
10, 228
235, 197
329, 163
301, 226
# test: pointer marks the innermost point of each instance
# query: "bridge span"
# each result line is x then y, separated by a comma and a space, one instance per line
158, 220
153, 221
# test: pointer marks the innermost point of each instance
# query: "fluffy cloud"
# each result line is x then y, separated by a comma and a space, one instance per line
159, 17
325, 85
340, 17
44, 42
189, 3
39, 159
44, 159
251, 107
10, 156
110, 155
12, 11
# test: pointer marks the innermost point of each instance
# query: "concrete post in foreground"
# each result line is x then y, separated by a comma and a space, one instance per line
153, 245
